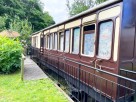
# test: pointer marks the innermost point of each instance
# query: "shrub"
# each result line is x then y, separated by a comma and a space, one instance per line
10, 55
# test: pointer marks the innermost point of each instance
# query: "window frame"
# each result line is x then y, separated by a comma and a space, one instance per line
82, 41
72, 38
41, 41
59, 33
55, 33
48, 41
112, 39
65, 40
45, 41
36, 41
51, 39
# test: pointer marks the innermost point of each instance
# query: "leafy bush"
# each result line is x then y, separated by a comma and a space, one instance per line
10, 55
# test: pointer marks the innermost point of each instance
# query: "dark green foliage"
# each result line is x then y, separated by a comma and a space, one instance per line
25, 9
3, 22
10, 55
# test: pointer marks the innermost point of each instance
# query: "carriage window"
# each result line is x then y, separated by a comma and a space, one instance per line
33, 42
55, 41
51, 39
48, 41
61, 41
36, 41
67, 37
88, 40
44, 41
105, 40
75, 41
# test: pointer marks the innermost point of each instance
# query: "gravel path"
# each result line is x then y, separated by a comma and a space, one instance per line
32, 71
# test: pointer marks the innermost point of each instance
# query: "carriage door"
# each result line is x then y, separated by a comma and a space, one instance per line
60, 51
88, 53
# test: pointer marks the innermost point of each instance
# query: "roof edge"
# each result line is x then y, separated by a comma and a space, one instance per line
80, 14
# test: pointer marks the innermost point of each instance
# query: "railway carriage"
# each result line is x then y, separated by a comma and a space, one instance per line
95, 51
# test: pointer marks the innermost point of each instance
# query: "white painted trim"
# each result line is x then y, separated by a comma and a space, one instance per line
61, 27
116, 39
53, 30
46, 32
112, 12
89, 18
73, 24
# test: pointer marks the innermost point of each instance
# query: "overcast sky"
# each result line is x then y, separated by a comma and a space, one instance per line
57, 9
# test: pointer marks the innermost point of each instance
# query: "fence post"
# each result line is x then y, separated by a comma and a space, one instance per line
22, 67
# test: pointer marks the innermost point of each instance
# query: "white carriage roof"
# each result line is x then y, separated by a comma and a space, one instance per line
81, 14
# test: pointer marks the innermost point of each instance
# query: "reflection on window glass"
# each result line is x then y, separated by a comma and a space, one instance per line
51, 41
48, 38
89, 39
55, 41
76, 37
67, 33
61, 41
89, 44
105, 40
44, 41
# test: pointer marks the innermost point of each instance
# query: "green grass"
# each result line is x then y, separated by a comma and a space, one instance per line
12, 89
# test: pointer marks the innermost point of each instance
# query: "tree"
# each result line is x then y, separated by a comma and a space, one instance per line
32, 10
99, 1
3, 23
79, 6
23, 27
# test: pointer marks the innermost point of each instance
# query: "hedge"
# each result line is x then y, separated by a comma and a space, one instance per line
10, 55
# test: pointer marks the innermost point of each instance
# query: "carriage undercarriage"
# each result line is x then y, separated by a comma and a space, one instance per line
81, 89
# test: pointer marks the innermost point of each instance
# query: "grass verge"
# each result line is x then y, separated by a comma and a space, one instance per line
12, 89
